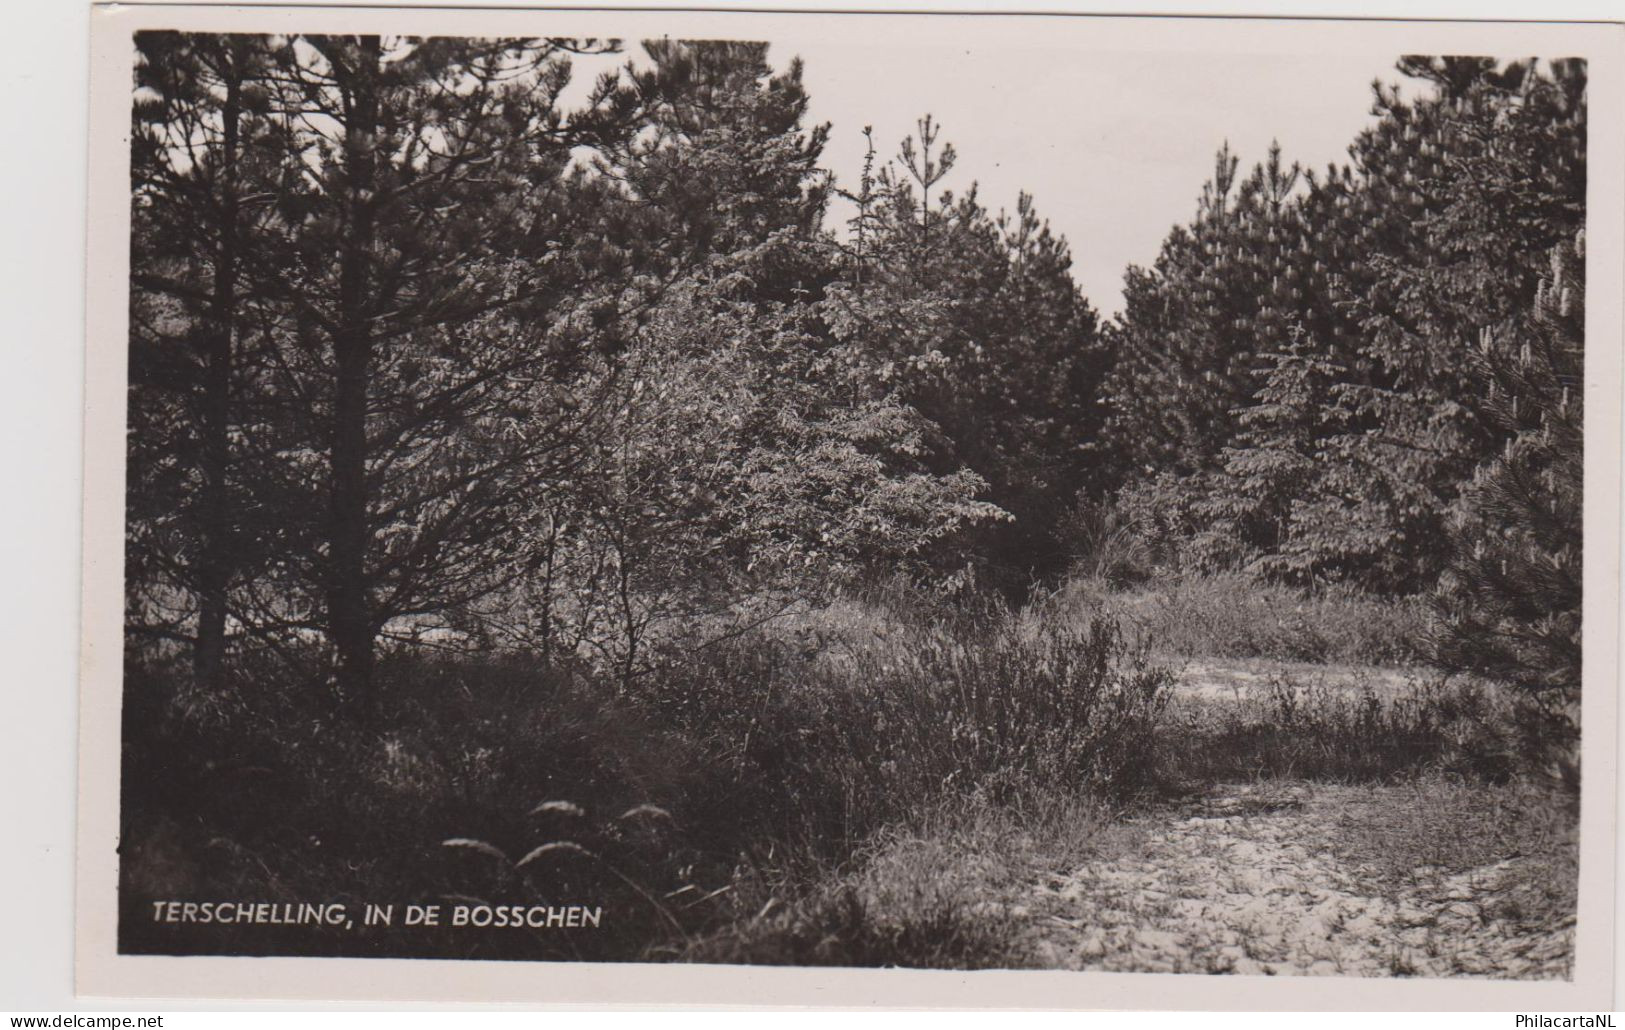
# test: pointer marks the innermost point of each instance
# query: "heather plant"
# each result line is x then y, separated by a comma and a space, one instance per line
842, 745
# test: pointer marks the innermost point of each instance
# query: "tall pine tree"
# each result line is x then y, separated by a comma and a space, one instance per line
1510, 598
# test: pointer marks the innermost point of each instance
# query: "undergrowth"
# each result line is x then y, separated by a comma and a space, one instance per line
1350, 729
1230, 615
751, 768
870, 784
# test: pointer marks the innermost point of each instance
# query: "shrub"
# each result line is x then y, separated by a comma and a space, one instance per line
753, 765
1002, 708
837, 744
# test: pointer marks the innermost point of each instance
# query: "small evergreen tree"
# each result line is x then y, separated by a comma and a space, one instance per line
1255, 507
977, 324
1465, 187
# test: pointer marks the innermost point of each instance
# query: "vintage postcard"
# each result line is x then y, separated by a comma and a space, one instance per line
615, 507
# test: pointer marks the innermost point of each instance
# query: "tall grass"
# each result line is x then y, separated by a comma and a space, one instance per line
1290, 728
1230, 615
751, 769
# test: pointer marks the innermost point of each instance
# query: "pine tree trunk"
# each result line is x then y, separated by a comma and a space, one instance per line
214, 567
350, 615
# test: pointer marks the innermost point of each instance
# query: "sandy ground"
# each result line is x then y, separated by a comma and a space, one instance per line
1232, 679
1236, 883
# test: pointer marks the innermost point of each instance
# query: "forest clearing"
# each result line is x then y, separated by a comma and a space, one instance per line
541, 500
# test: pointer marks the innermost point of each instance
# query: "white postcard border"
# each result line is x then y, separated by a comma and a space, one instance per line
101, 972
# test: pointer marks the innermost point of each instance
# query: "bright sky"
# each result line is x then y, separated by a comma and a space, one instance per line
1113, 146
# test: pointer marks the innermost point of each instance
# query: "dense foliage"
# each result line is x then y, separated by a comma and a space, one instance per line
422, 356
532, 498
1300, 389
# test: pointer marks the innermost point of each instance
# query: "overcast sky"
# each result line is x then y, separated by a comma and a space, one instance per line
1114, 147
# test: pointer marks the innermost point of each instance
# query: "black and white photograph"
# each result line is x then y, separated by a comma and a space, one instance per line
843, 491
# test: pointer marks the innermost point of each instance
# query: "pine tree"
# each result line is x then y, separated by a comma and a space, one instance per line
1459, 186
721, 164
204, 158
1187, 343
428, 217
1389, 265
1510, 599
1191, 349
1256, 508
977, 325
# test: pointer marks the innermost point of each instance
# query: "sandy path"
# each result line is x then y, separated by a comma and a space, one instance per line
1232, 679
1241, 883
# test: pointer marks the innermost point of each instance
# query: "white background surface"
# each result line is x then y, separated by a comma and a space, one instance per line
43, 71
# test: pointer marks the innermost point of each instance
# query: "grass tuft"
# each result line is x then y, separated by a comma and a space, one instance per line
1230, 615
